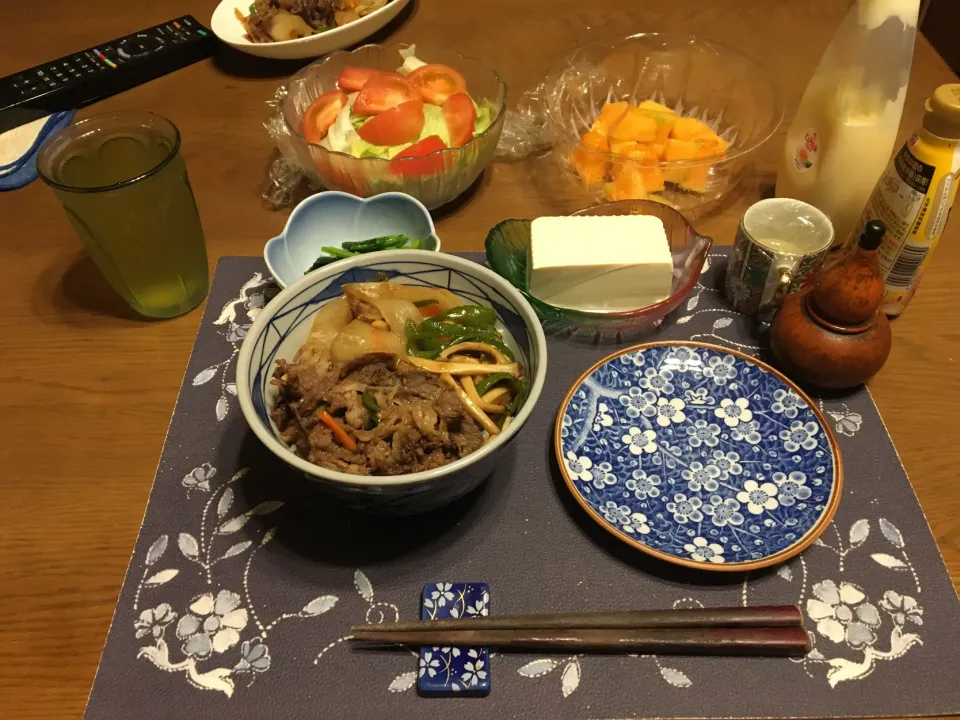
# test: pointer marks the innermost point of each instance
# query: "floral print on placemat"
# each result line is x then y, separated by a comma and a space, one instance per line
197, 609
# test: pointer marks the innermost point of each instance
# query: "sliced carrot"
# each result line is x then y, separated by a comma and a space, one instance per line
331, 422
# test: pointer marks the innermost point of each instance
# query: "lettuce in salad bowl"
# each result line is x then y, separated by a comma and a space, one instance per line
413, 119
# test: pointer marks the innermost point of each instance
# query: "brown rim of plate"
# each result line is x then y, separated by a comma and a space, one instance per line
798, 547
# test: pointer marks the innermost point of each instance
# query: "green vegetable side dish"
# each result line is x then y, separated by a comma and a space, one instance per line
359, 247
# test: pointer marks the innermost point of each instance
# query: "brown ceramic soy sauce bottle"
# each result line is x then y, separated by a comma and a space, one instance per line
834, 336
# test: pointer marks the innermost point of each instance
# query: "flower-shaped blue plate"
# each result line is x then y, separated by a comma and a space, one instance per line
330, 218
699, 455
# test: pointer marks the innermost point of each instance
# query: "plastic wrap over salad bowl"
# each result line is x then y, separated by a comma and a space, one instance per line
285, 323
508, 244
431, 170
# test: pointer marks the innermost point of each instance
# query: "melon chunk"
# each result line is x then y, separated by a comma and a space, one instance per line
627, 185
647, 137
608, 116
655, 107
634, 125
590, 160
695, 179
685, 128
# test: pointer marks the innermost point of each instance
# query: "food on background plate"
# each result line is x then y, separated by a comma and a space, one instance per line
396, 379
350, 248
280, 20
411, 113
606, 263
623, 150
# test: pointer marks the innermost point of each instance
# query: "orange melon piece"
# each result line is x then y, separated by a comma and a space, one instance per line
642, 153
622, 147
664, 127
595, 141
658, 149
627, 185
695, 179
655, 107
588, 161
686, 128
608, 116
679, 149
636, 125
640, 166
653, 180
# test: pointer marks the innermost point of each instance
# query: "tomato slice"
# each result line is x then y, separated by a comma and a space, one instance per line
398, 125
353, 79
321, 114
432, 165
382, 92
460, 116
437, 82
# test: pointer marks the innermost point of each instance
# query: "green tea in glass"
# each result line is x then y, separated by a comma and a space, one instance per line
124, 185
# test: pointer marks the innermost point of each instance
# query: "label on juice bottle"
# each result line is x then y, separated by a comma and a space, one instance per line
805, 155
913, 199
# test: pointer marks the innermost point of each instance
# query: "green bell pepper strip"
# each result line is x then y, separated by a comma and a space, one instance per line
475, 316
484, 384
370, 402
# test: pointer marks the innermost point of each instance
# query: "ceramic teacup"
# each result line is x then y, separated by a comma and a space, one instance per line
780, 245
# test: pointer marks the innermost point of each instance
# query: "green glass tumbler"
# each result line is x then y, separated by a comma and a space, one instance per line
124, 186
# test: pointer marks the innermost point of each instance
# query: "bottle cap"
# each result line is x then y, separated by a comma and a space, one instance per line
872, 235
943, 112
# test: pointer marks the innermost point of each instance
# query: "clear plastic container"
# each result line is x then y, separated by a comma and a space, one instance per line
842, 136
733, 95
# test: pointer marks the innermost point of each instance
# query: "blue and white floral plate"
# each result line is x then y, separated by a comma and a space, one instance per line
699, 455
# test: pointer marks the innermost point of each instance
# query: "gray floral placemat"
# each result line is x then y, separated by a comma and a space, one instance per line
244, 581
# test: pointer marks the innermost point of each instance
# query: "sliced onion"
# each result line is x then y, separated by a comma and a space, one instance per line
369, 292
335, 315
360, 338
396, 313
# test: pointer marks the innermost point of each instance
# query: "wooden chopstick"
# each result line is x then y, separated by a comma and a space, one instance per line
775, 641
734, 617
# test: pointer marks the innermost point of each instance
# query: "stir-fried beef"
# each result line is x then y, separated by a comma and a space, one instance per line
420, 424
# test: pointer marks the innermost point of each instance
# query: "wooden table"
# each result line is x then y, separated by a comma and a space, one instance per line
87, 390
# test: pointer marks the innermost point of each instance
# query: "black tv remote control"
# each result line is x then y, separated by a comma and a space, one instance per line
84, 77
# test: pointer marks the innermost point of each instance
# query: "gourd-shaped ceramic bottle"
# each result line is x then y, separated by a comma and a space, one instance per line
834, 336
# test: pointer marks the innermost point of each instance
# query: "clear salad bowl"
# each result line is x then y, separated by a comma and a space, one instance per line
456, 168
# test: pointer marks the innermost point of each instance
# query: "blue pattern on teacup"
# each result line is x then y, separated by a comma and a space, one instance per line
698, 454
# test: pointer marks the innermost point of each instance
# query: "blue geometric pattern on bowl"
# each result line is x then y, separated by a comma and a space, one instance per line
449, 671
299, 309
697, 454
332, 218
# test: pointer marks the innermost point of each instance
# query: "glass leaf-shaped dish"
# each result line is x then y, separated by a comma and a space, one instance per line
508, 246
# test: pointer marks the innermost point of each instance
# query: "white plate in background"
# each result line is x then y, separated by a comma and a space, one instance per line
229, 29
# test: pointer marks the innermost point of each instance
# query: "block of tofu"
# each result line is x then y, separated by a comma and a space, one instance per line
600, 263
